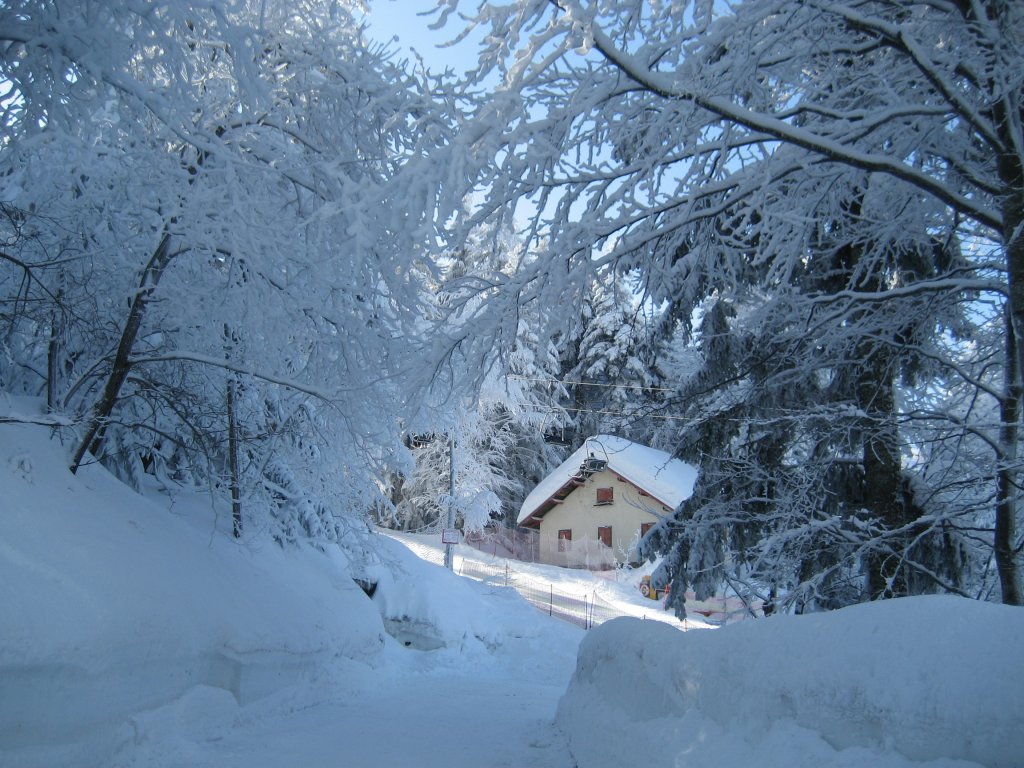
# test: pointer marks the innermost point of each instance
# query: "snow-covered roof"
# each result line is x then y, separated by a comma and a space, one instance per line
668, 480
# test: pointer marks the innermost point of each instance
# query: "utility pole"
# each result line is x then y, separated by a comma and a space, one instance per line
449, 559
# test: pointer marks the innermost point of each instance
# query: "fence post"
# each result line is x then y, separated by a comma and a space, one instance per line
551, 600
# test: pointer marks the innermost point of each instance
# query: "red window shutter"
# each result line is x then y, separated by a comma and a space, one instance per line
564, 535
605, 495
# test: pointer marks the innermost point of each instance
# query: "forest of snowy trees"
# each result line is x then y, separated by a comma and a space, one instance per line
246, 247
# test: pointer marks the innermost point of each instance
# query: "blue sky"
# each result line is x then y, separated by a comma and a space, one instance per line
409, 21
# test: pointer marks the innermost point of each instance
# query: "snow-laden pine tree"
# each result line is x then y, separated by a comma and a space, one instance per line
608, 364
797, 415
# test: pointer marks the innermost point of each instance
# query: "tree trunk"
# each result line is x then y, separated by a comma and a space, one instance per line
53, 356
92, 440
1006, 485
882, 494
236, 488
1011, 172
874, 362
230, 397
1005, 534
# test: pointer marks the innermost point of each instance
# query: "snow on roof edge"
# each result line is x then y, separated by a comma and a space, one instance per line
667, 479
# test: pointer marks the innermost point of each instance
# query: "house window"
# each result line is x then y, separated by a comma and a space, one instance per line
605, 495
604, 535
644, 528
564, 539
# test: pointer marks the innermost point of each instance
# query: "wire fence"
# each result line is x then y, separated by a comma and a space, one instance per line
475, 569
586, 610
520, 544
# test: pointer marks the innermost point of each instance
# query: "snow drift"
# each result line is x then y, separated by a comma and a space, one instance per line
112, 605
892, 683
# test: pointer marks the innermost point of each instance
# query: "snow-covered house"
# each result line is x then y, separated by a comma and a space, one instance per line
593, 509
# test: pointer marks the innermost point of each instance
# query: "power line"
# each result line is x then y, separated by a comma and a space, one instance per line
517, 377
558, 409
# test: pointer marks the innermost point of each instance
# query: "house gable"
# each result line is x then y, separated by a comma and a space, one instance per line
598, 523
592, 517
651, 472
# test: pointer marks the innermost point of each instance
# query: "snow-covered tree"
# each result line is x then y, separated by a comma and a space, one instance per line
609, 366
786, 163
499, 426
209, 265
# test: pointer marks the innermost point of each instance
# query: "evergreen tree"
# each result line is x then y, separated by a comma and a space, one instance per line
608, 367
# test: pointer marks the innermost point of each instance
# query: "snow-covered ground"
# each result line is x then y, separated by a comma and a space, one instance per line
135, 632
615, 592
140, 635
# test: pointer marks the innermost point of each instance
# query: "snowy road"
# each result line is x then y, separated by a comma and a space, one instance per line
429, 721
451, 708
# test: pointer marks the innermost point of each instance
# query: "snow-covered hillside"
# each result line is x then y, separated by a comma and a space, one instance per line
137, 632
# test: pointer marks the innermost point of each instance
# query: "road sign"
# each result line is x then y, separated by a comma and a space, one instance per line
450, 536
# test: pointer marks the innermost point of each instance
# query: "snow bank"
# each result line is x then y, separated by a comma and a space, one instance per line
888, 684
112, 605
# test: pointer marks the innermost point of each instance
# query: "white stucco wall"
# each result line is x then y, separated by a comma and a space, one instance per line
581, 514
